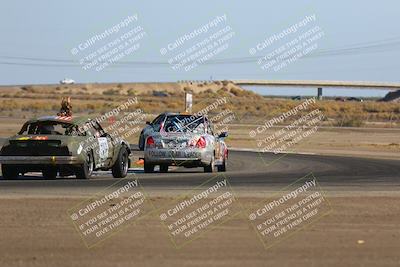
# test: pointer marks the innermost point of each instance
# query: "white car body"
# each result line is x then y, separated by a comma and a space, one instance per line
67, 81
189, 144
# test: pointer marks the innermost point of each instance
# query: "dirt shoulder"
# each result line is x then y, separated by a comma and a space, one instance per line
381, 143
37, 232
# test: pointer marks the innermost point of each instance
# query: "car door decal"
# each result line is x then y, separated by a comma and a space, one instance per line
103, 148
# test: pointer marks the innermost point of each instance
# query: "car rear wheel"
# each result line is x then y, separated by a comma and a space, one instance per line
86, 169
121, 165
148, 168
141, 141
211, 166
49, 173
9, 172
163, 168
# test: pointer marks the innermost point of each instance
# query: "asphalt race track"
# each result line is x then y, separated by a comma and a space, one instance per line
247, 170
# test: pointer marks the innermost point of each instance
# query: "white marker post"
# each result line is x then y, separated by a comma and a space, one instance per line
188, 101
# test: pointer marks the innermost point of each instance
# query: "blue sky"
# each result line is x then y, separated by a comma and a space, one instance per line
48, 30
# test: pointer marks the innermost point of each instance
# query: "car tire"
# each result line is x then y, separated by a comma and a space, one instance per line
49, 173
141, 141
148, 168
211, 166
222, 168
121, 165
86, 169
164, 168
9, 172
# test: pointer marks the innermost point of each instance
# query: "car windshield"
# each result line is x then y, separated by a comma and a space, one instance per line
50, 128
184, 124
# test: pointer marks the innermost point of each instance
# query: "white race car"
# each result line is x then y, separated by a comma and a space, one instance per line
185, 140
67, 81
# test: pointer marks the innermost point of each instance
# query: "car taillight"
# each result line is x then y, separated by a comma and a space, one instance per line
150, 142
201, 143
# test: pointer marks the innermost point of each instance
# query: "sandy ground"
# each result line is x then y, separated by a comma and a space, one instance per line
35, 233
344, 141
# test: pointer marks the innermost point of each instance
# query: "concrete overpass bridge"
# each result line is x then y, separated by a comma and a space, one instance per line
315, 83
321, 84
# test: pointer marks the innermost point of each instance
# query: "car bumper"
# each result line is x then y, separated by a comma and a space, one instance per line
40, 160
177, 157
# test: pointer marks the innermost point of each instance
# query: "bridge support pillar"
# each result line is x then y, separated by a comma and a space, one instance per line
319, 95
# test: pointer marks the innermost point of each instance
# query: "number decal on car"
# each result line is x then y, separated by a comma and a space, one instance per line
103, 147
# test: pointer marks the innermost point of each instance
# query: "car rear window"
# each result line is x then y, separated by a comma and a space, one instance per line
49, 128
184, 124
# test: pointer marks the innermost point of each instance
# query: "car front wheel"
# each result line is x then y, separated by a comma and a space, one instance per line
211, 166
121, 165
222, 168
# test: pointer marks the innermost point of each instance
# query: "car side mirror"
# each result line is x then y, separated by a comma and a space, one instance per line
223, 135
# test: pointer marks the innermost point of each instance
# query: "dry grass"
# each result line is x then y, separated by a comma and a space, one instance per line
248, 106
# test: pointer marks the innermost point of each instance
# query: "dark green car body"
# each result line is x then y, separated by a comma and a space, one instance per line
66, 146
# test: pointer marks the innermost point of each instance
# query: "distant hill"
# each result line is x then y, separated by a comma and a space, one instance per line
131, 89
392, 97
